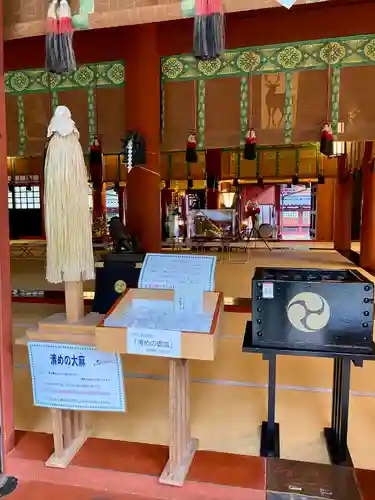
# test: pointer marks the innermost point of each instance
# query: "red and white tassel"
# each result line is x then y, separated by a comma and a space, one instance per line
209, 32
68, 60
52, 43
96, 163
60, 56
191, 149
250, 150
326, 140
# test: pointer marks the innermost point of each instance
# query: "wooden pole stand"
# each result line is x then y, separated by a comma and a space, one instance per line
70, 428
181, 446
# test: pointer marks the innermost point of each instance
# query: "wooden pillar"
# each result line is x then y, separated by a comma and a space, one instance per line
142, 89
6, 341
342, 231
325, 195
367, 253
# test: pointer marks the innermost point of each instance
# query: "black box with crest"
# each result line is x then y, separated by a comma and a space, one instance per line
313, 309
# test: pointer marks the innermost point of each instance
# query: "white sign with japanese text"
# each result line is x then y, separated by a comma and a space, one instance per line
75, 377
168, 271
153, 342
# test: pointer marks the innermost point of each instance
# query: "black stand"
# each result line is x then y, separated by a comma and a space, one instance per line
336, 434
270, 439
255, 234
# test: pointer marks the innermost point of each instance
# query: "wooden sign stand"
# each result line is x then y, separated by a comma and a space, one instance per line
194, 345
70, 428
182, 446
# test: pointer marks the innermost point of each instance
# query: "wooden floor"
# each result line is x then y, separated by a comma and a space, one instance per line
234, 384
37, 489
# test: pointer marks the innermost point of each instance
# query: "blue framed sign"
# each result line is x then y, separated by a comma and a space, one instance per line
75, 377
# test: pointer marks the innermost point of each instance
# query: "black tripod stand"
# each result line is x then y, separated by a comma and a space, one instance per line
255, 235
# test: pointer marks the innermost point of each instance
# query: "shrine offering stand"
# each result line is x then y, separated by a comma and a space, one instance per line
180, 347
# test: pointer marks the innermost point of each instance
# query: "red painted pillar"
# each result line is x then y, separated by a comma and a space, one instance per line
342, 230
99, 202
213, 172
278, 210
367, 254
300, 220
6, 341
99, 212
142, 89
41, 191
121, 203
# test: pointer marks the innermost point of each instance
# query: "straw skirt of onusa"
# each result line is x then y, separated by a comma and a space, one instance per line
67, 215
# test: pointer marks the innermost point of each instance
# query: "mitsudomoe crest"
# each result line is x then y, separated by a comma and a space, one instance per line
308, 312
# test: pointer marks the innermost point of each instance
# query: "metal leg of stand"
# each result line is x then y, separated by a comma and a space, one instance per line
256, 235
270, 440
336, 435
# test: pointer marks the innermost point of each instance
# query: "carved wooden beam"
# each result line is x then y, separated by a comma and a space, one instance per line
27, 18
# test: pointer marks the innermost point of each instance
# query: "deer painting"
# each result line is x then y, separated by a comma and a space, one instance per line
275, 101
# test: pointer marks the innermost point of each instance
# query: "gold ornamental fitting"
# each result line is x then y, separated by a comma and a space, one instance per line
120, 286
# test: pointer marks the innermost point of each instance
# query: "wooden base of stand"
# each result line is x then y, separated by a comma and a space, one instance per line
57, 328
69, 434
174, 474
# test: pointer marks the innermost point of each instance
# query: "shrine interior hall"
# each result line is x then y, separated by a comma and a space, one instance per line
284, 72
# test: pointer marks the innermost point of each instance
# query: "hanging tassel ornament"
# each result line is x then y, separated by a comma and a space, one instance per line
68, 60
326, 140
134, 150
96, 163
60, 57
129, 155
191, 149
250, 150
52, 38
67, 215
209, 30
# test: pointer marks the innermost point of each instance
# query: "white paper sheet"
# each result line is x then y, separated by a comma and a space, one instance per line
153, 342
188, 275
188, 298
167, 271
